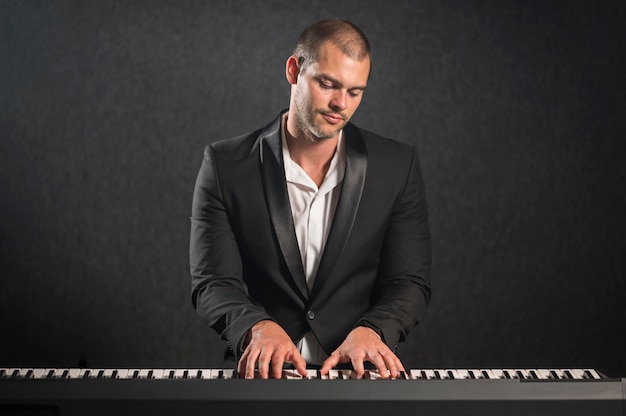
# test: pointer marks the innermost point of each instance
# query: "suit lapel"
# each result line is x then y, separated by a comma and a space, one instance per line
277, 198
348, 206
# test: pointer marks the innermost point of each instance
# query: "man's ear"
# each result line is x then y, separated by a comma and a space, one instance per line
292, 69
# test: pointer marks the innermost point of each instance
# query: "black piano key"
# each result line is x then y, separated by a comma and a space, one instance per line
100, 374
15, 373
199, 374
568, 375
65, 374
220, 374
340, 375
150, 373
587, 374
450, 374
114, 374
553, 374
402, 375
533, 374
424, 375
318, 373
485, 374
520, 375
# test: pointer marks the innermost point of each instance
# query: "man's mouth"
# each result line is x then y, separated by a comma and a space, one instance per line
333, 118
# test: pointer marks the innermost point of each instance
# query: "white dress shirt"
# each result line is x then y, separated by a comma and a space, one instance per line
313, 210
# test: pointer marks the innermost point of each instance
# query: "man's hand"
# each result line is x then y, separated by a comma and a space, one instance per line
364, 344
269, 347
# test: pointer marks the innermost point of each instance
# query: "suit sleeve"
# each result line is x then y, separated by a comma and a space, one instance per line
218, 292
403, 286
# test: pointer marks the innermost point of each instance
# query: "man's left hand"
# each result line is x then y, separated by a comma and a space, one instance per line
364, 344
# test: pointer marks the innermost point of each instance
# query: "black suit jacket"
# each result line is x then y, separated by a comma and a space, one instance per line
244, 257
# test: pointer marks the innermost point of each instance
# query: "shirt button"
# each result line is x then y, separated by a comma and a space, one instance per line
310, 315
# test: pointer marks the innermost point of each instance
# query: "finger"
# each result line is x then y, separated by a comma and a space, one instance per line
241, 365
358, 367
277, 365
392, 364
264, 362
396, 366
329, 363
251, 364
298, 362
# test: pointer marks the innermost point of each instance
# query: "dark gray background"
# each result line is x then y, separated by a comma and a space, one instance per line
515, 106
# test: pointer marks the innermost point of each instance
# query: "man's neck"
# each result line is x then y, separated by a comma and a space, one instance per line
314, 157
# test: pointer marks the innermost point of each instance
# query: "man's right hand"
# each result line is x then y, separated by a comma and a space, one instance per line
267, 349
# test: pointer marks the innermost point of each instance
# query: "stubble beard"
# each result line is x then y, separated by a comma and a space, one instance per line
312, 130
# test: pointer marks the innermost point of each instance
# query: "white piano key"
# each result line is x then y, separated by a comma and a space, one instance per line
312, 374
25, 373
414, 374
38, 373
475, 373
543, 373
180, 373
372, 375
122, 373
216, 373
594, 374
157, 373
110, 373
522, 373
223, 373
461, 374
496, 373
333, 374
84, 372
290, 374
144, 373
169, 373
74, 373
558, 372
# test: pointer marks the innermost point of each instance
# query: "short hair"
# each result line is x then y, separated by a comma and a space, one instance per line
342, 33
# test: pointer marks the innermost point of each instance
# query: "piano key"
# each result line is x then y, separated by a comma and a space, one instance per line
38, 373
333, 374
592, 374
120, 373
461, 374
228, 373
145, 373
84, 373
414, 374
180, 373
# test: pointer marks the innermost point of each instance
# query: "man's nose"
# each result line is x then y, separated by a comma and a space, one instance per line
338, 102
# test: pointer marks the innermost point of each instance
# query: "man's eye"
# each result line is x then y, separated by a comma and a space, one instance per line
354, 93
325, 85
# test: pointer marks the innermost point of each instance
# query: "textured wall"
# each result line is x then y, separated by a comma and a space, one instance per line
516, 108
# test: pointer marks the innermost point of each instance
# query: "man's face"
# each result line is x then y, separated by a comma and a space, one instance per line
328, 92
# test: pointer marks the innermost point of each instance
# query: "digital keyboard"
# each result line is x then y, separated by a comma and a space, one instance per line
92, 391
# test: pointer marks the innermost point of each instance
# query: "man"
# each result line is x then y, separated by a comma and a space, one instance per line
310, 242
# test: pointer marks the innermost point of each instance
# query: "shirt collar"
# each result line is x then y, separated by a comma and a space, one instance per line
294, 173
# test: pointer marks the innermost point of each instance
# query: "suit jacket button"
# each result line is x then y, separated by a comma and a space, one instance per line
310, 315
